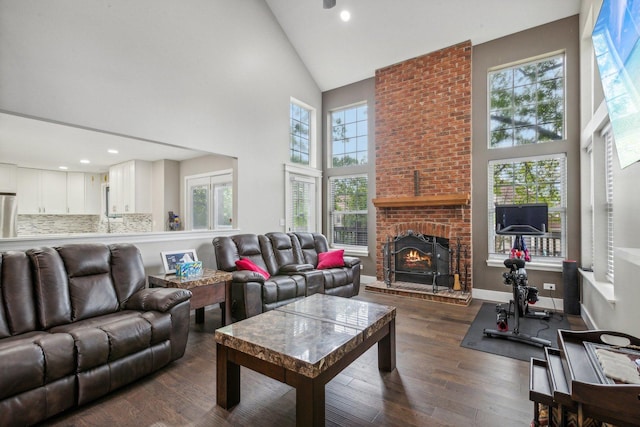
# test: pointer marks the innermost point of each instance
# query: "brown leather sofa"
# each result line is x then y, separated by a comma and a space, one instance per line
77, 322
291, 260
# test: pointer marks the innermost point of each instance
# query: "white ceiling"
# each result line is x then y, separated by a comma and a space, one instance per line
380, 33
385, 32
36, 144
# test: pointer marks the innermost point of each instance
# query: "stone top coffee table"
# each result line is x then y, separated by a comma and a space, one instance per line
304, 344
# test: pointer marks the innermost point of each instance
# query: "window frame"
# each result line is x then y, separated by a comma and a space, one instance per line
330, 140
538, 261
312, 132
331, 212
216, 179
517, 64
292, 172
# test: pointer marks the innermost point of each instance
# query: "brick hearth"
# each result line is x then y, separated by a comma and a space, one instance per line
413, 290
423, 146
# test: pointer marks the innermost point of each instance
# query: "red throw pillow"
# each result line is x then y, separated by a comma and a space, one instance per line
247, 264
331, 259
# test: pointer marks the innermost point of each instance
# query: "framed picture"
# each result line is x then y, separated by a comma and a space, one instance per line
171, 258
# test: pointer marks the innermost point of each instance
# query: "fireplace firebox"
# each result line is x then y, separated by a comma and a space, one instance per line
417, 258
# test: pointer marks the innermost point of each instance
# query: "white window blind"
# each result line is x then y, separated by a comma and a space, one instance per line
302, 207
608, 139
540, 179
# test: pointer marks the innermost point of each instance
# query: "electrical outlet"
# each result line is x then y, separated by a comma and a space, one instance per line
549, 286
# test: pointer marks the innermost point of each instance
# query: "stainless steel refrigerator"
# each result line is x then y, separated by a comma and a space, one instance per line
8, 215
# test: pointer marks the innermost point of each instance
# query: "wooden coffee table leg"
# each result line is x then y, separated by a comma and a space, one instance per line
310, 405
227, 379
200, 315
387, 349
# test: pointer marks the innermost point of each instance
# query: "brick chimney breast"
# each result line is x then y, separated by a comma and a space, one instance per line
423, 144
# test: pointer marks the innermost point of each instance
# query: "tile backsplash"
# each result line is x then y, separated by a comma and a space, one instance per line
30, 225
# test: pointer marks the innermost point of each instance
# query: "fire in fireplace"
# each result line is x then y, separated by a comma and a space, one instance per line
417, 258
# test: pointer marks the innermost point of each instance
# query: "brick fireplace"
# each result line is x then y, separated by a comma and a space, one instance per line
423, 148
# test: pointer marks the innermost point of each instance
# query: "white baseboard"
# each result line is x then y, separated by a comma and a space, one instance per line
501, 297
588, 319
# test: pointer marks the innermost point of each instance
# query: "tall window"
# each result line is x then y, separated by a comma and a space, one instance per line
348, 193
209, 202
302, 198
349, 140
300, 133
526, 103
527, 107
348, 210
530, 180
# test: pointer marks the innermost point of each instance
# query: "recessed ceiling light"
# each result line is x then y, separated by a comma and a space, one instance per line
63, 168
112, 151
345, 15
85, 161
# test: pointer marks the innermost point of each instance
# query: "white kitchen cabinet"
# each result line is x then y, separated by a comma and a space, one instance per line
83, 193
130, 187
75, 193
8, 178
41, 191
92, 193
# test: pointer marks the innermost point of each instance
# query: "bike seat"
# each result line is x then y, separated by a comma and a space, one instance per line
514, 263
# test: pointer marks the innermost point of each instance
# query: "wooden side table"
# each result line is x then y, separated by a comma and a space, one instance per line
212, 287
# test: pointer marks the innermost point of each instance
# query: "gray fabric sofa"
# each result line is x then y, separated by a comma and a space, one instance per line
291, 259
76, 322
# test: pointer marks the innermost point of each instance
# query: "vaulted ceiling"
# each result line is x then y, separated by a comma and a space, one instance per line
384, 32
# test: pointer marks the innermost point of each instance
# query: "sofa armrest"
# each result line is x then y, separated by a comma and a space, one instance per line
158, 299
350, 261
246, 276
295, 268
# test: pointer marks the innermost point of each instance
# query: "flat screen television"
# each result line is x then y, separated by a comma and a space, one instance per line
529, 218
616, 36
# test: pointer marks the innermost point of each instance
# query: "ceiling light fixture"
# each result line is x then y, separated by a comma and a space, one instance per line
345, 15
328, 4
112, 151
64, 168
85, 161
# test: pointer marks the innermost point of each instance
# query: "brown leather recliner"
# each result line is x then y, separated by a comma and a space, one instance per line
291, 260
77, 322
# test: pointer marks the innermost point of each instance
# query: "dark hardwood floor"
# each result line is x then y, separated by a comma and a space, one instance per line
436, 383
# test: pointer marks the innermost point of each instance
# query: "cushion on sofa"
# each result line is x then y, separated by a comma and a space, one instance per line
106, 338
33, 360
331, 259
247, 264
17, 307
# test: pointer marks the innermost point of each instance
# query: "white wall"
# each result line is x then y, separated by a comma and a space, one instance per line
213, 75
605, 305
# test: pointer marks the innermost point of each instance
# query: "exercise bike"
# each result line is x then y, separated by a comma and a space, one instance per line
523, 295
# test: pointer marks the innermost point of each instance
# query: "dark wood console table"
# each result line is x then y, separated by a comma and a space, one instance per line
212, 287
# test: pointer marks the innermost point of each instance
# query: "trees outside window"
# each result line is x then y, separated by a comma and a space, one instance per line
530, 180
210, 202
349, 136
527, 107
348, 210
300, 118
526, 103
